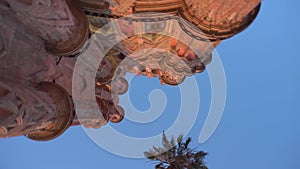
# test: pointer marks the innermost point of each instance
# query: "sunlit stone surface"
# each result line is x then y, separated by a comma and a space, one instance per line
41, 40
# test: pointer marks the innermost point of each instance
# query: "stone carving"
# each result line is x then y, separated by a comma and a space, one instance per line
61, 24
155, 63
217, 19
27, 106
122, 7
23, 52
32, 109
40, 41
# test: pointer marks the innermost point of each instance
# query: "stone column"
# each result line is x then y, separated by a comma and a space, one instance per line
40, 111
60, 23
28, 105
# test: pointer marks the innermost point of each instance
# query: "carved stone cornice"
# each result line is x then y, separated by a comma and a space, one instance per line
217, 19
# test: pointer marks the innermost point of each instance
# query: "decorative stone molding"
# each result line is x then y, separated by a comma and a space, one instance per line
36, 80
217, 19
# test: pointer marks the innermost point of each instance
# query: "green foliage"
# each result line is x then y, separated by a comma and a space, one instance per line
176, 156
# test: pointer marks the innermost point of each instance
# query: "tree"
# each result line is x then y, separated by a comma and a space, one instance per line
176, 156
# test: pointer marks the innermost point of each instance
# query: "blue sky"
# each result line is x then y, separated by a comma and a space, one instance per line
259, 128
